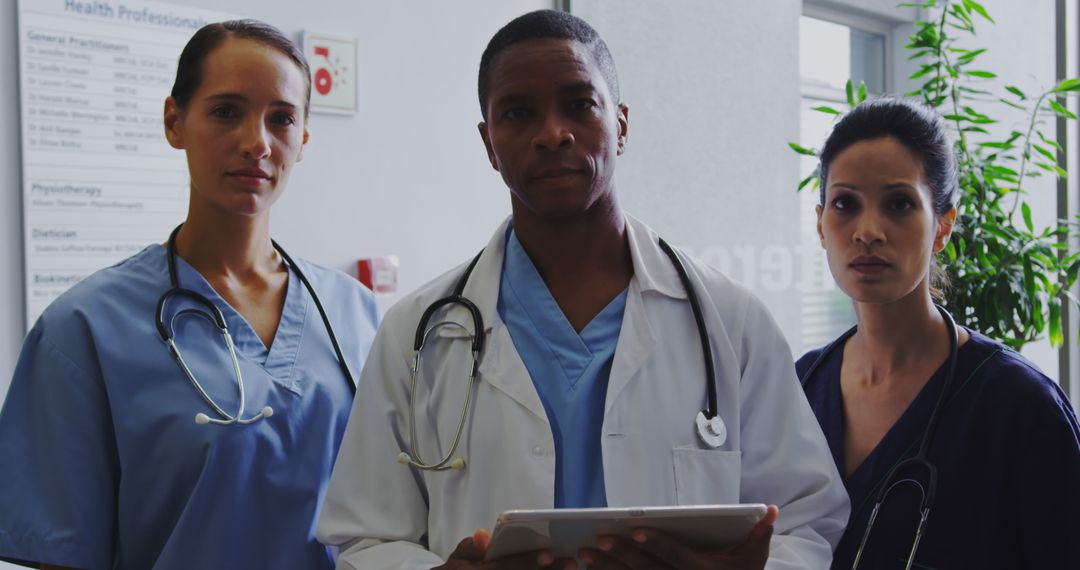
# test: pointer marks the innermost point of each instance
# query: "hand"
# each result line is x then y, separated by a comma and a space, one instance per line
470, 553
652, 549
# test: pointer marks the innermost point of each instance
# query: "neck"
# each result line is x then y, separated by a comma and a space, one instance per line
899, 336
220, 245
592, 243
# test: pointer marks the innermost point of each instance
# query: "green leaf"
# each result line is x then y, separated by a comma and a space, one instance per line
1015, 91
862, 92
850, 90
970, 56
1045, 152
1055, 323
1067, 85
802, 149
1026, 210
1060, 110
826, 109
981, 73
1014, 105
973, 5
1000, 145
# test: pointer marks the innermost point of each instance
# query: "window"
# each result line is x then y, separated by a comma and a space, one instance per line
832, 48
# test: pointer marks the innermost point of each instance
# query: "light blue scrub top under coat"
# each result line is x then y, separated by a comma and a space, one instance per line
103, 463
570, 372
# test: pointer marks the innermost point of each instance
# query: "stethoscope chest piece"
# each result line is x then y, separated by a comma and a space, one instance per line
712, 431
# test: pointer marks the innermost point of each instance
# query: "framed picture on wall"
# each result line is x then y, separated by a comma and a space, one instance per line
334, 76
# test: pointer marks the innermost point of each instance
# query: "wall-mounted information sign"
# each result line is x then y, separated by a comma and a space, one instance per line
99, 180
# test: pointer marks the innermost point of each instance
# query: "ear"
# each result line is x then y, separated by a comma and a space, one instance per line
820, 231
174, 132
945, 225
486, 136
623, 116
303, 143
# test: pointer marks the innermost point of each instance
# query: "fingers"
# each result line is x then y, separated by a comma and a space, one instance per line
482, 538
467, 550
763, 530
527, 561
616, 553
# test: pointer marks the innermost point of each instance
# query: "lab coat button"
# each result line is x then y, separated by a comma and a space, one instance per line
538, 451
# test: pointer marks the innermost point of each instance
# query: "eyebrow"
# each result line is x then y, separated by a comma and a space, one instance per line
237, 97
518, 97
888, 187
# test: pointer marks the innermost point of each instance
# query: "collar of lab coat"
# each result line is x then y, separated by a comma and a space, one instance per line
653, 271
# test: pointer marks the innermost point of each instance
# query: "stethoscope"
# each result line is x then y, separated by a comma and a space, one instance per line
919, 461
214, 315
710, 427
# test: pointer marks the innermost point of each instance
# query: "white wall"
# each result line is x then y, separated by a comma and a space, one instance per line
378, 182
714, 98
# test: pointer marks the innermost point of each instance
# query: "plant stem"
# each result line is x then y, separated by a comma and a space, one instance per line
1026, 154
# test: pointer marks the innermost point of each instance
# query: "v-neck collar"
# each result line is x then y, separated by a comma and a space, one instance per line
530, 296
277, 360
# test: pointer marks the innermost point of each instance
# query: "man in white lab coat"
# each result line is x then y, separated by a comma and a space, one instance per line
591, 375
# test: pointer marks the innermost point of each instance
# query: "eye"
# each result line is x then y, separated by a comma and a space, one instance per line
901, 204
283, 118
583, 104
224, 112
515, 114
843, 203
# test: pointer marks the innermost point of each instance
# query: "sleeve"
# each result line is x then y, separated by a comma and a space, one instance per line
1046, 476
58, 485
786, 460
376, 509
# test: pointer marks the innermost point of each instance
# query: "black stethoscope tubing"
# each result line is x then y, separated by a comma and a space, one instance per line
176, 290
920, 460
457, 297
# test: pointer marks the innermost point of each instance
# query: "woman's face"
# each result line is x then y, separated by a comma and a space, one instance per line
243, 129
878, 225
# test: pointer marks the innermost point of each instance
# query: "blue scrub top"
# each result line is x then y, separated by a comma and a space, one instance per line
104, 465
570, 372
1007, 450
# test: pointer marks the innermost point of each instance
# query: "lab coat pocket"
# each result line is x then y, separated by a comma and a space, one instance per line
706, 476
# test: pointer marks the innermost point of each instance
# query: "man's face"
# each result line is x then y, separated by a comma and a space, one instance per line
553, 129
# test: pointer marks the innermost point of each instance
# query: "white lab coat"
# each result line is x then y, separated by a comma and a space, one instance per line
383, 514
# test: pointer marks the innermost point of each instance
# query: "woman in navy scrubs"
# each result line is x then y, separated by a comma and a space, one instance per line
1005, 443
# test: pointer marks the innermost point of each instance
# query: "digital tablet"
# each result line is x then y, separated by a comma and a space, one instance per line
564, 531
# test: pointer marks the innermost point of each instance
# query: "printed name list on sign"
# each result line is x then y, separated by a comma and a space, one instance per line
333, 72
99, 180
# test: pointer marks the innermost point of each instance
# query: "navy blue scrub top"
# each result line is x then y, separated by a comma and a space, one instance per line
1007, 450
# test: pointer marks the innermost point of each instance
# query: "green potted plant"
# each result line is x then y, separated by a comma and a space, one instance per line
1008, 278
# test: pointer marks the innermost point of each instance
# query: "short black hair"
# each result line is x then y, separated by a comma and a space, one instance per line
189, 70
919, 128
546, 24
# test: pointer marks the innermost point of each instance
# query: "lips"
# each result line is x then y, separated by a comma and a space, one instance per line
249, 176
869, 264
557, 173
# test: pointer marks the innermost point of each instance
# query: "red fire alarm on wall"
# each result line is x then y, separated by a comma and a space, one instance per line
380, 274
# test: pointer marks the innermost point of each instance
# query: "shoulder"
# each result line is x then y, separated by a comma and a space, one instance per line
805, 361
1005, 377
410, 307
740, 310
113, 289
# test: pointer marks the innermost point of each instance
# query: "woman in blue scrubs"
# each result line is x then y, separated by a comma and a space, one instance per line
1006, 444
112, 457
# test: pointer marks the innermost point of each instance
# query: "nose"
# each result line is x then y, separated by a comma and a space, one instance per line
255, 140
868, 229
554, 133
